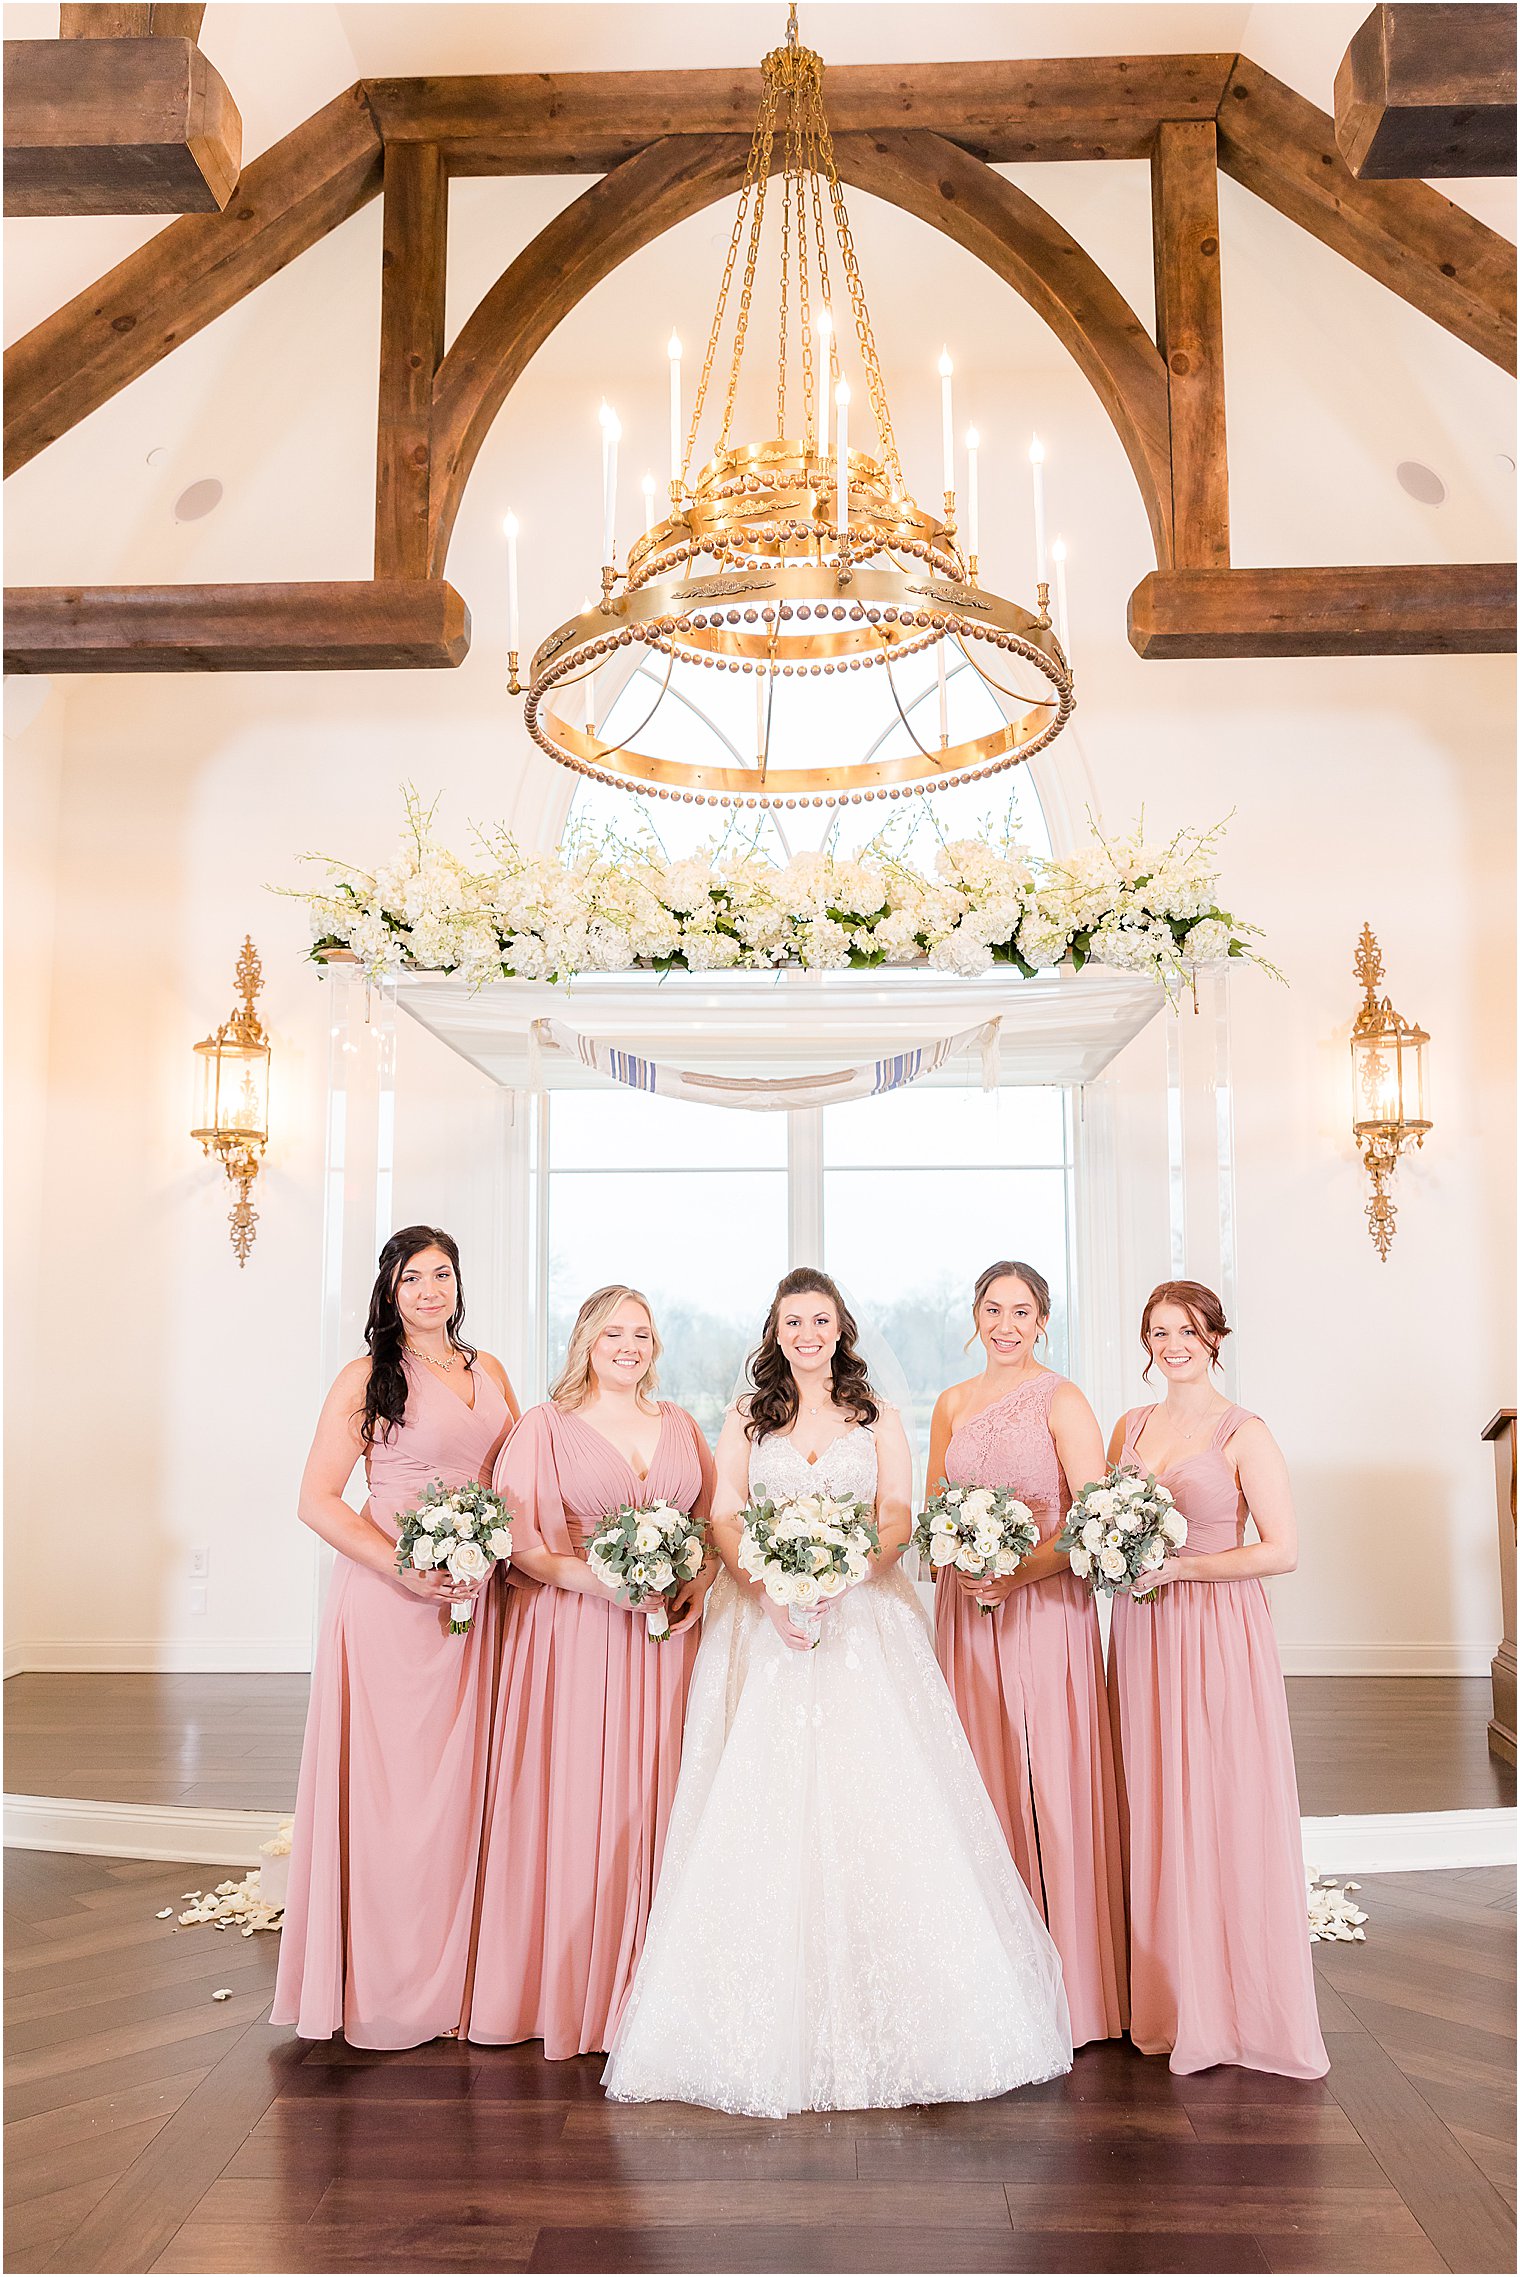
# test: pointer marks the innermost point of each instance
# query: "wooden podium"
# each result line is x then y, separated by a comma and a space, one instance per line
1501, 1726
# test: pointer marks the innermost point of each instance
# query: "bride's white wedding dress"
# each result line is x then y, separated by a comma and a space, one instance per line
839, 1924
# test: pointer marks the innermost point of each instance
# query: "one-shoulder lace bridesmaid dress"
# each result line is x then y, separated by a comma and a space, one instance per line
1028, 1681
1220, 1965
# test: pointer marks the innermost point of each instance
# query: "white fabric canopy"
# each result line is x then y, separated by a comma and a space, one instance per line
766, 1093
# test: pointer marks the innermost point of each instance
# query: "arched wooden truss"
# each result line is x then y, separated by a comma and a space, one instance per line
925, 138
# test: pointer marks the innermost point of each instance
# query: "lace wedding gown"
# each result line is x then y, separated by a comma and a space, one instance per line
839, 1924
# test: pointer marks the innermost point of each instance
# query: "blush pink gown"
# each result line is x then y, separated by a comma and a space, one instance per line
587, 1746
376, 1942
1220, 1966
1028, 1681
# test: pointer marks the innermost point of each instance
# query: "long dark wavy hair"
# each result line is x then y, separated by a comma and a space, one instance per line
773, 1402
385, 1335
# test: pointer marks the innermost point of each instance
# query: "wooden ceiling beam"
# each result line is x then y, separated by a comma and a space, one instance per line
385, 626
117, 126
411, 349
586, 122
99, 20
1404, 234
1020, 242
173, 286
1428, 91
1430, 609
1190, 337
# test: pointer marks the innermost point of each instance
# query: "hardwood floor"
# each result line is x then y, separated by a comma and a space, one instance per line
1385, 1743
149, 2127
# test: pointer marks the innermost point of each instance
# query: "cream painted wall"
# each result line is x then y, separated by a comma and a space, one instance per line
146, 817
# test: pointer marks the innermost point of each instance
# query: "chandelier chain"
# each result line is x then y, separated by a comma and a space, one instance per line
759, 141
865, 338
762, 166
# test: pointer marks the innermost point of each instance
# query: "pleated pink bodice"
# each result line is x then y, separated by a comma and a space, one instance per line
438, 1438
1203, 1486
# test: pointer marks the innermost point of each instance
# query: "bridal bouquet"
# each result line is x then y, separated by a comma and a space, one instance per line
644, 1551
981, 1530
807, 1550
1119, 1529
467, 1529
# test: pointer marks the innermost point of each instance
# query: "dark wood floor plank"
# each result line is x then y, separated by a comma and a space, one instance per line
92, 2049
1110, 2203
1346, 2253
312, 2246
1232, 2165
98, 2115
1395, 1743
140, 2006
148, 2065
1448, 2194
638, 2204
867, 2246
90, 2159
34, 2232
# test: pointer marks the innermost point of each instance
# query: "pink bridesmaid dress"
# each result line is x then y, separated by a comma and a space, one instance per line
376, 1942
1028, 1681
1220, 1967
587, 1746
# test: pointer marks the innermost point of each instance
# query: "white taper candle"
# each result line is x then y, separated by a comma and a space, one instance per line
510, 526
947, 417
673, 351
973, 517
611, 436
647, 486
842, 460
1058, 556
1037, 472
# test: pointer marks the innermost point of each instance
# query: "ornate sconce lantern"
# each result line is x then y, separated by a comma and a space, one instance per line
1390, 1088
233, 1117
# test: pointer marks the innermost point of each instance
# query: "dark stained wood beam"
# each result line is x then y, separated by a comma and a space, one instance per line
585, 122
1404, 234
1431, 609
120, 327
628, 208
98, 20
411, 348
1429, 91
117, 126
929, 176
1190, 337
389, 626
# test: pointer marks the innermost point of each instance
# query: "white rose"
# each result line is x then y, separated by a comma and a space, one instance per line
672, 1523
1131, 1487
942, 1550
1007, 1561
1101, 1503
822, 1556
462, 1522
805, 1591
663, 1575
1092, 1534
1174, 1526
859, 1539
955, 1494
832, 1584
978, 1504
691, 1556
967, 1560
428, 1516
646, 1538
1112, 1563
1081, 1563
500, 1544
1129, 1521
468, 1562
1162, 1493
783, 1589
988, 1541
774, 1575
1154, 1555
424, 1554
857, 1566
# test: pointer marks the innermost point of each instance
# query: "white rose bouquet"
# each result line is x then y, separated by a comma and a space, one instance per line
463, 1529
643, 1552
808, 1550
1119, 1529
981, 1530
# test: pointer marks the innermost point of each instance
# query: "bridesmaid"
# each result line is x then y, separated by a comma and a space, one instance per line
1219, 1958
392, 1790
1028, 1677
588, 1733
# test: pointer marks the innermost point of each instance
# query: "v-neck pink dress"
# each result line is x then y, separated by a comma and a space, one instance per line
1028, 1681
376, 1941
1220, 1965
586, 1749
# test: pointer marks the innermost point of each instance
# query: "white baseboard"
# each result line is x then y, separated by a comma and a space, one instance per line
1409, 1842
138, 1830
1385, 1659
171, 1655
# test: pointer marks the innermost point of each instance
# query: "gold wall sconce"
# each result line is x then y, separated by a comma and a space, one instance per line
233, 1113
1390, 1088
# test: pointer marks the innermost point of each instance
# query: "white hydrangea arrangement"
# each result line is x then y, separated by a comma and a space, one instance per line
608, 905
466, 1529
1119, 1529
981, 1530
808, 1550
642, 1551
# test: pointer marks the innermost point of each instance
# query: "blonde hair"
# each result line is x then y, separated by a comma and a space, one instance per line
572, 1386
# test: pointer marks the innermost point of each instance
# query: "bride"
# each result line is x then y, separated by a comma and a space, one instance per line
838, 1923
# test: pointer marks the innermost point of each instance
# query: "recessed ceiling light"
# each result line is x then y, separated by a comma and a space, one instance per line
199, 499
157, 455
1421, 482
1505, 460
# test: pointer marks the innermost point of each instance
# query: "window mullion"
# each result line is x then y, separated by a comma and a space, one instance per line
804, 1185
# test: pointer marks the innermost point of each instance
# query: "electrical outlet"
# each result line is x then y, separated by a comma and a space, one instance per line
198, 1598
200, 1564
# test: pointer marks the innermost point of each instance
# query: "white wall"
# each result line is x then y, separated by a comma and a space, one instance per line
146, 817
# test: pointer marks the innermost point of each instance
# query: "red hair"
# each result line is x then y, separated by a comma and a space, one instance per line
1204, 1311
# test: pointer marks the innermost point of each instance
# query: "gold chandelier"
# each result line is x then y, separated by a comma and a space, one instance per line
796, 559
